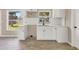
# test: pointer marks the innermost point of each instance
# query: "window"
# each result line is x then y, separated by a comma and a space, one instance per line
44, 14
14, 19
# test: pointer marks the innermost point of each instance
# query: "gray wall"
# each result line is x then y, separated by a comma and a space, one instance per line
68, 23
4, 30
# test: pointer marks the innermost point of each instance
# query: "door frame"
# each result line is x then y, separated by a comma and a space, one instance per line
72, 27
73, 34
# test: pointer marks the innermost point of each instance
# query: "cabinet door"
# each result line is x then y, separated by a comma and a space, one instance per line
62, 34
47, 33
54, 33
59, 13
50, 33
40, 34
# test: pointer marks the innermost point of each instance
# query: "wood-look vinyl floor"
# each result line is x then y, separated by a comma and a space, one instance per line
32, 44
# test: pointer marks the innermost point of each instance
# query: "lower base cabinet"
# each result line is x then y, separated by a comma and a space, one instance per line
46, 33
62, 34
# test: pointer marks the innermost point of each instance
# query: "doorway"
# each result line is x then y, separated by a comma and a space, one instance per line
75, 27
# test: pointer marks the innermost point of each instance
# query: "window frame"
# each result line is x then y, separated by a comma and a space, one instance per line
7, 24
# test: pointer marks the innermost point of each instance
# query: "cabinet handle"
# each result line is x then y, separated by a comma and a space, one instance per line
75, 26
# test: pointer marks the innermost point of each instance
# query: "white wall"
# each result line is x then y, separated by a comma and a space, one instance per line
59, 20
75, 31
27, 21
4, 30
0, 21
68, 23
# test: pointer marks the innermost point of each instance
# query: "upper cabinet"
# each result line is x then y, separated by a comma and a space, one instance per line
58, 13
34, 16
44, 16
54, 13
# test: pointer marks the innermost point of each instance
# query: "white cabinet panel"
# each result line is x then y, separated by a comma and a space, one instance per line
59, 13
54, 32
62, 34
40, 33
46, 33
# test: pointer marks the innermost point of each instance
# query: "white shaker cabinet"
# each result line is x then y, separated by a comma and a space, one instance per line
46, 33
54, 33
40, 33
62, 34
58, 13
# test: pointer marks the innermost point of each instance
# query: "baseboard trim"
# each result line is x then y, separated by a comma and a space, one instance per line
61, 41
72, 45
8, 35
76, 47
69, 43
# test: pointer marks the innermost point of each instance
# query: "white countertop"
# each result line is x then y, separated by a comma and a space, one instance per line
52, 26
